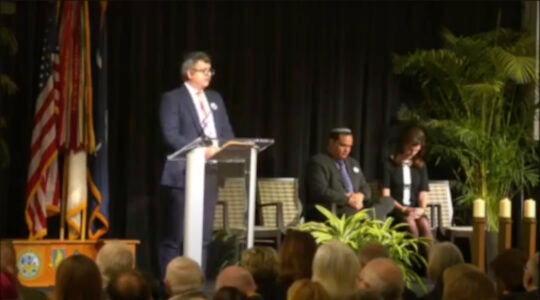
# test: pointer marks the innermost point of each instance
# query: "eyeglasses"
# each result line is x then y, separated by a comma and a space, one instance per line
209, 72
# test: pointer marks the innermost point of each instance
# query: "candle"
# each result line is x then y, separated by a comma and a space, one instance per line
529, 208
479, 208
505, 208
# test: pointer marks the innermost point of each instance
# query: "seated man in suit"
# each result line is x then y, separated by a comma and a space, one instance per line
335, 178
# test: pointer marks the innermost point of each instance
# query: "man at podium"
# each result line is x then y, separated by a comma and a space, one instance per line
186, 113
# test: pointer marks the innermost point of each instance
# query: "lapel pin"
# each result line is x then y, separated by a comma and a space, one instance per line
213, 106
356, 170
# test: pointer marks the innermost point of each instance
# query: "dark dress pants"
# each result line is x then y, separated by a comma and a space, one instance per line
172, 218
382, 207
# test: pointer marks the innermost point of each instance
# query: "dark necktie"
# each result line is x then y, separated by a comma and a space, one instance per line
345, 176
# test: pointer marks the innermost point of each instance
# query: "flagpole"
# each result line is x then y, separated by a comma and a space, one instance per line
83, 221
89, 137
63, 204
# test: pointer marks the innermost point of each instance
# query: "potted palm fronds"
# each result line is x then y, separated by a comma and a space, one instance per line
478, 112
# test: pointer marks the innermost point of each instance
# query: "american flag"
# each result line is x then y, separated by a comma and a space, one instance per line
43, 186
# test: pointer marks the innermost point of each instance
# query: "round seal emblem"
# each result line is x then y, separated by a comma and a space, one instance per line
29, 265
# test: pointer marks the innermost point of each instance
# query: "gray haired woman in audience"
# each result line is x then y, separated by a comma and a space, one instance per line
337, 269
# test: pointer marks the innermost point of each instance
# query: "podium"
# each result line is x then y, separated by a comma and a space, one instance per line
234, 151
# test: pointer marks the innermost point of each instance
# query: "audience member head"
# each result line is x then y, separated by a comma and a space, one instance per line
229, 293
530, 276
112, 259
305, 289
78, 277
384, 276
238, 277
129, 285
366, 294
453, 272
463, 282
296, 256
196, 295
336, 268
183, 275
261, 262
411, 146
340, 143
441, 256
370, 251
508, 267
8, 259
8, 286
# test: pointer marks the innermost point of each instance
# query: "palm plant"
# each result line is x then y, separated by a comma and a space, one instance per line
360, 229
7, 86
477, 112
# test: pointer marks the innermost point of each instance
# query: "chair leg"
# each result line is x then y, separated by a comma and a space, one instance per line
238, 246
452, 237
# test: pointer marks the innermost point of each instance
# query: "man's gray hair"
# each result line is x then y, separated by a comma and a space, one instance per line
384, 276
112, 259
183, 275
191, 59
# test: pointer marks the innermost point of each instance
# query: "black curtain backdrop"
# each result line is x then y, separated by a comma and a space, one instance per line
286, 70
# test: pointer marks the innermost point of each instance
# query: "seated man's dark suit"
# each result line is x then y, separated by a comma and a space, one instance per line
325, 186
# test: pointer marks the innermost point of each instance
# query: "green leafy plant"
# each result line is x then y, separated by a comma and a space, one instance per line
477, 112
359, 229
223, 251
7, 85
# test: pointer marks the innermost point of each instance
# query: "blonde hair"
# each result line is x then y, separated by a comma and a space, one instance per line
182, 275
112, 259
441, 256
305, 289
261, 262
336, 268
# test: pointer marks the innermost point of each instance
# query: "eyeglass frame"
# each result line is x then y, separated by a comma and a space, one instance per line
210, 71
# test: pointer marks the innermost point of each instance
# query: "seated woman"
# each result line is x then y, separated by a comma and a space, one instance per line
405, 179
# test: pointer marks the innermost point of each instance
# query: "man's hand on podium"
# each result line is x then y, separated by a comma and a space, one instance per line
210, 151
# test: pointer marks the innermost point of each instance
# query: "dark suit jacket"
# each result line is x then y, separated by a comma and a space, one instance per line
324, 185
180, 125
